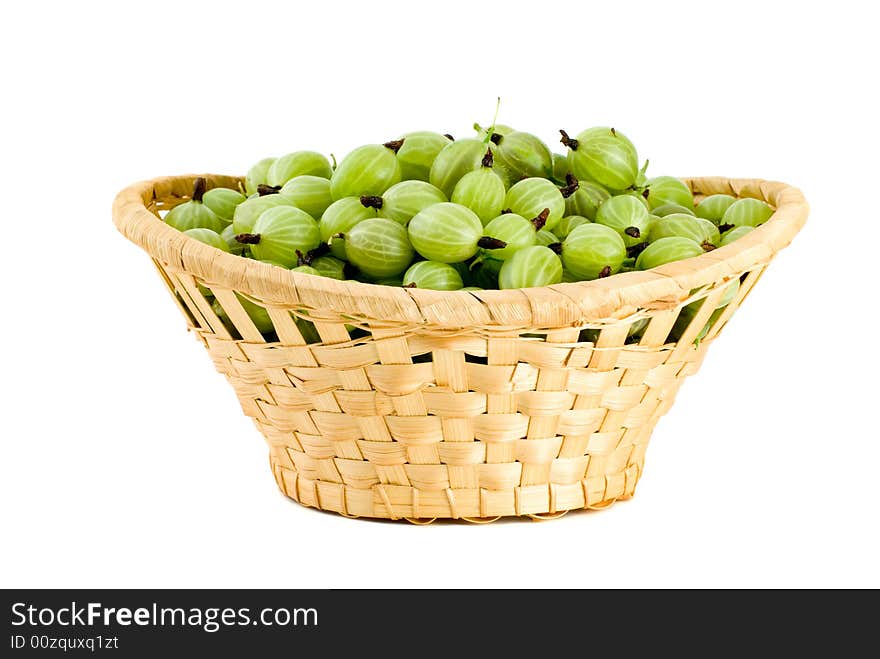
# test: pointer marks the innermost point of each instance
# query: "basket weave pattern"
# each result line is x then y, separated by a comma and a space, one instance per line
466, 405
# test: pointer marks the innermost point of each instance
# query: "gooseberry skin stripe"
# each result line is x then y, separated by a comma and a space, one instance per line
446, 232
379, 247
532, 195
368, 170
530, 267
402, 201
432, 275
679, 224
666, 250
295, 164
590, 248
713, 207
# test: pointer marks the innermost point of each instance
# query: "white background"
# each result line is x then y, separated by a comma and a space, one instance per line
125, 458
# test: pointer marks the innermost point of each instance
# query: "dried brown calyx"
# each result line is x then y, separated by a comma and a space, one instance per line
394, 145
488, 159
263, 189
200, 187
707, 246
491, 243
635, 250
725, 227
248, 238
556, 247
496, 138
605, 272
449, 137
541, 219
571, 186
371, 201
633, 232
567, 141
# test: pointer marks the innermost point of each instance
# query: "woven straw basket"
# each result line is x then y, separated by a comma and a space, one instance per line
467, 405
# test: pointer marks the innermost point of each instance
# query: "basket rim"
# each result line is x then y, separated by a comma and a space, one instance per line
559, 305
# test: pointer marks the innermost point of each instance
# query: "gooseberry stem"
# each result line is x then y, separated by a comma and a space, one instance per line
320, 250
635, 250
491, 243
263, 189
571, 186
248, 238
200, 186
394, 145
371, 201
541, 219
567, 141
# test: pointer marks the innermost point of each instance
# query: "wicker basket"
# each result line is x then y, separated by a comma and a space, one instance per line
466, 405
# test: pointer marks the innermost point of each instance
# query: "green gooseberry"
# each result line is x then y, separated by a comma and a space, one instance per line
248, 211
745, 212
688, 226
522, 154
734, 234
432, 275
586, 200
530, 196
662, 190
530, 267
667, 250
298, 163
567, 224
194, 214
309, 193
418, 152
712, 208
592, 251
329, 266
603, 155
223, 202
669, 209
258, 175
341, 216
368, 170
482, 190
280, 233
208, 237
628, 217
405, 199
379, 247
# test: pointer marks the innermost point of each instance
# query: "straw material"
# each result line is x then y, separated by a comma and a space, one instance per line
466, 405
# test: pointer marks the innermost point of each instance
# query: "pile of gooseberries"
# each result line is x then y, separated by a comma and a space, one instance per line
494, 210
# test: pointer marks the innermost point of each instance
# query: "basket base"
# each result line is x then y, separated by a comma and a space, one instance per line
475, 505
